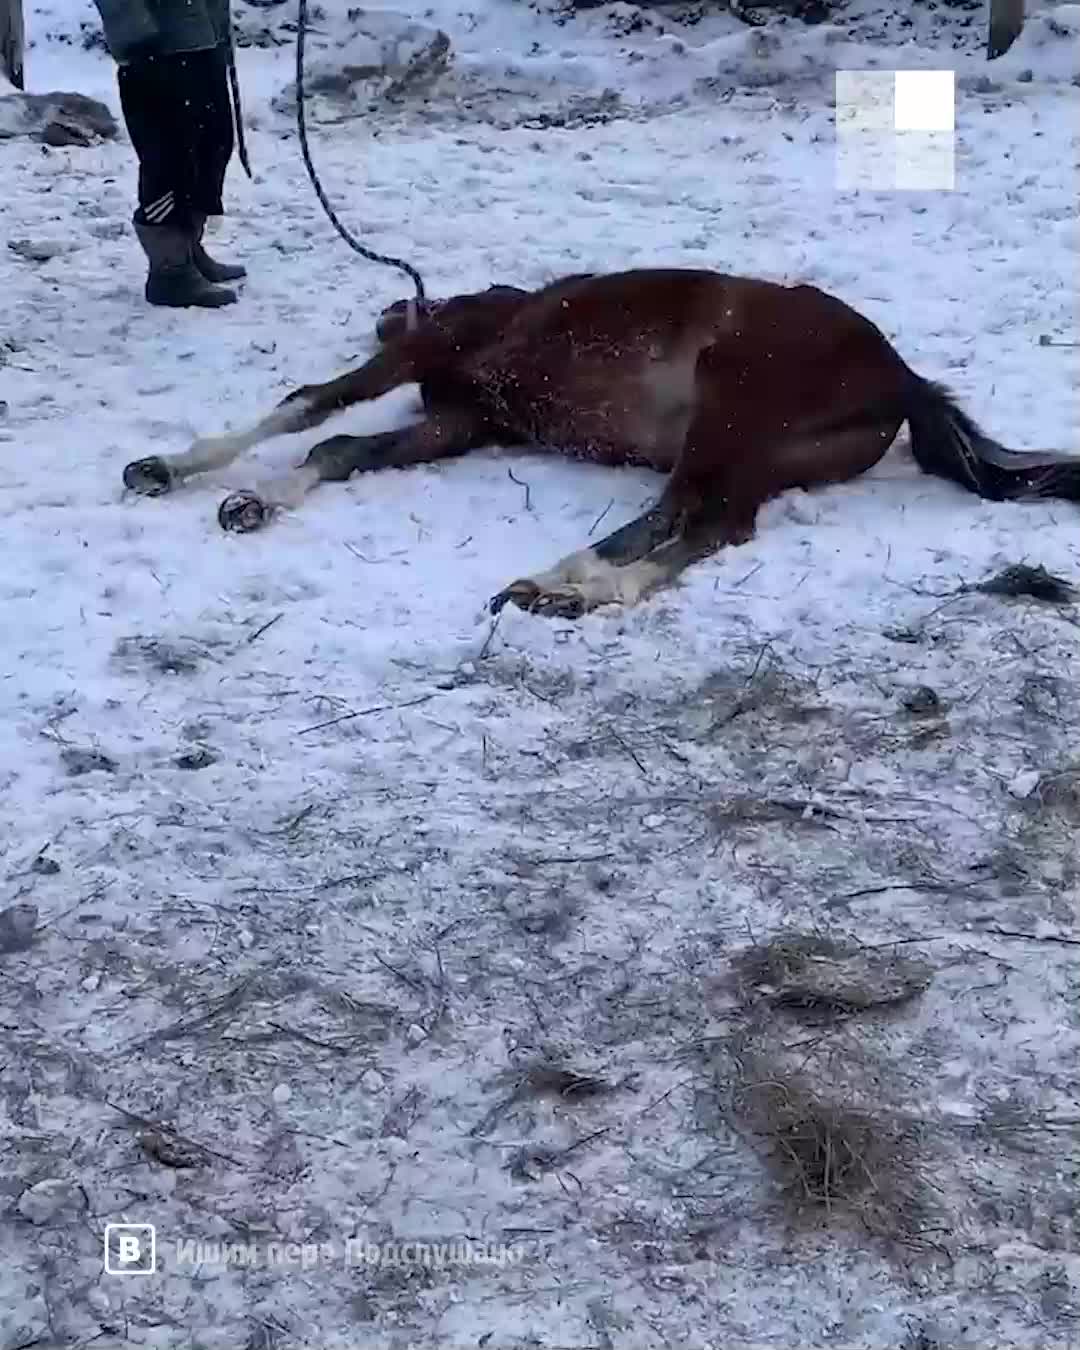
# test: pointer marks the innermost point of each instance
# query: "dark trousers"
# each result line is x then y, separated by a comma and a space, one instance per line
179, 117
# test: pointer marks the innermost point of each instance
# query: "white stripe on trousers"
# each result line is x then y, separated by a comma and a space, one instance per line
157, 211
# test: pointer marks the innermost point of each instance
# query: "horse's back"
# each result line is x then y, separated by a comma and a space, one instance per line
682, 305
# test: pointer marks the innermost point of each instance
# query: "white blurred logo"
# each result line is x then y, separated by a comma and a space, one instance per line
130, 1249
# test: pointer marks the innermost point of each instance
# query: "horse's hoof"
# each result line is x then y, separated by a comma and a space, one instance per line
522, 593
562, 602
559, 602
150, 477
242, 512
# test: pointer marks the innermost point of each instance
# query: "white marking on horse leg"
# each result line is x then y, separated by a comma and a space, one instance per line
583, 581
601, 583
215, 452
287, 490
574, 567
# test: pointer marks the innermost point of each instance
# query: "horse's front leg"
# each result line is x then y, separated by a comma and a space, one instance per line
441, 435
301, 410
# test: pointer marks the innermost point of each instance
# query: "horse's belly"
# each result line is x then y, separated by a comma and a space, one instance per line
608, 405
615, 417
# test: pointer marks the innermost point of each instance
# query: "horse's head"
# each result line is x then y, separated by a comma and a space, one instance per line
467, 318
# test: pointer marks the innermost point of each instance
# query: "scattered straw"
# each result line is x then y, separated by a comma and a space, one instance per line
1034, 582
797, 970
550, 1080
834, 1161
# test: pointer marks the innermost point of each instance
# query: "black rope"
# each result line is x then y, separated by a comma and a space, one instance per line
369, 254
238, 112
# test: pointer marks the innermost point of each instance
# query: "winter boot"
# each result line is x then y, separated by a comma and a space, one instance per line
174, 280
211, 270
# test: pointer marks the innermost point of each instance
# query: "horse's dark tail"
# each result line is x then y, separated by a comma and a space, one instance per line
946, 442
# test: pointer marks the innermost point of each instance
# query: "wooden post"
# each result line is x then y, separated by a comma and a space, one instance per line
11, 41
1006, 21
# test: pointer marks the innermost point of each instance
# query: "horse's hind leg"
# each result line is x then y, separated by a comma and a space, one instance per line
714, 512
623, 547
722, 512
690, 519
585, 581
443, 434
738, 453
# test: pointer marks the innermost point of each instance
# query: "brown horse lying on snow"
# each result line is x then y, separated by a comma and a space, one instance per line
738, 388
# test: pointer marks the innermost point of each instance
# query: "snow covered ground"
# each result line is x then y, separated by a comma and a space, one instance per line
323, 864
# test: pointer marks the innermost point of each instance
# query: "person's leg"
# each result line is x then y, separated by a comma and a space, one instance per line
155, 97
212, 143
